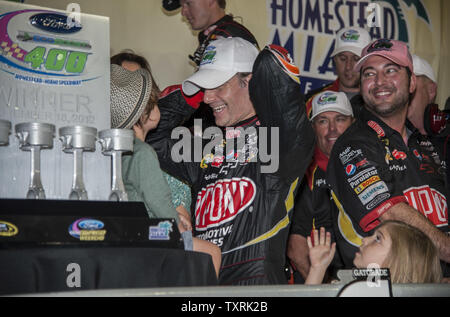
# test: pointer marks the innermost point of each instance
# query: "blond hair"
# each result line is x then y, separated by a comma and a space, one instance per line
413, 257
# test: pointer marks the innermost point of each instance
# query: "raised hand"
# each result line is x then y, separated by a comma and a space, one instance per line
321, 253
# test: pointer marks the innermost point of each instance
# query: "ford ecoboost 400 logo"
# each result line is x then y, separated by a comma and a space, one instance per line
84, 224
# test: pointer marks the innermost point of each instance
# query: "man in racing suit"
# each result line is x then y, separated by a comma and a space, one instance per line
243, 204
382, 168
331, 115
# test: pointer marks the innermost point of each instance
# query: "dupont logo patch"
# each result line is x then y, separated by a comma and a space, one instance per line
431, 203
222, 201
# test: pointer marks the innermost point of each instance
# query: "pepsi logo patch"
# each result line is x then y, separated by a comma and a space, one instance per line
350, 169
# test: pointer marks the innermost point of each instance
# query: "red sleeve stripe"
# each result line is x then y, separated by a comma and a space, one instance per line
370, 221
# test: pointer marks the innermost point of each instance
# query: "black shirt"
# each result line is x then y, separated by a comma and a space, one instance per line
313, 204
371, 169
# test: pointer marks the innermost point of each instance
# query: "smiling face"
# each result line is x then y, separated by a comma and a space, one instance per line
385, 86
328, 126
374, 249
230, 102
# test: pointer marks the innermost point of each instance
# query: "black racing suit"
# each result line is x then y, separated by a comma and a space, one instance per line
244, 211
371, 169
314, 206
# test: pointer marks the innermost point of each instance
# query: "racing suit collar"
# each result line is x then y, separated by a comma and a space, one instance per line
247, 122
381, 128
225, 19
334, 85
320, 159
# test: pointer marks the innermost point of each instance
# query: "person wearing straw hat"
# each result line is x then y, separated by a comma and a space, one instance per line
331, 115
382, 168
130, 92
142, 175
181, 193
244, 199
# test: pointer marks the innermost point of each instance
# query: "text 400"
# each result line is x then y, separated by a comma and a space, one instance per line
57, 59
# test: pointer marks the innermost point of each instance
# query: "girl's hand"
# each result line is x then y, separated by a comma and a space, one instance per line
322, 252
320, 255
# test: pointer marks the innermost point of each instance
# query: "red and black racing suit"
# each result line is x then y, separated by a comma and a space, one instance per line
371, 169
244, 211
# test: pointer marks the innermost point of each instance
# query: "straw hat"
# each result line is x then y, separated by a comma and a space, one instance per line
130, 92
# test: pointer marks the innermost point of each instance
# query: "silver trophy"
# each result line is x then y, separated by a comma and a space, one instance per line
114, 142
34, 137
5, 131
76, 140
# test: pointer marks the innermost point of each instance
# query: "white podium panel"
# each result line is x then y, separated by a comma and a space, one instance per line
53, 70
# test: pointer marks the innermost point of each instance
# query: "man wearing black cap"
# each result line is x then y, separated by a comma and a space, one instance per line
208, 17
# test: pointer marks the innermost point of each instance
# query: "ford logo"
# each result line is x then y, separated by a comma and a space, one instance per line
91, 224
53, 22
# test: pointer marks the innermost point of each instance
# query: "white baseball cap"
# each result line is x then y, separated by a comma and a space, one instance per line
331, 101
422, 67
222, 59
352, 39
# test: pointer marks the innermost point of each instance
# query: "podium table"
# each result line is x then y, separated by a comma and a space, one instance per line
58, 269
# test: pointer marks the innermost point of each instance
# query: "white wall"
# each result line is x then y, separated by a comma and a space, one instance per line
162, 37
166, 40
